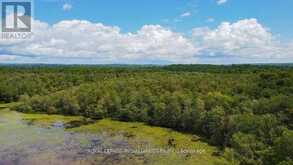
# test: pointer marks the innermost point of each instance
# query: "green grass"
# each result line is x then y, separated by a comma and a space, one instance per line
7, 105
44, 120
159, 138
135, 134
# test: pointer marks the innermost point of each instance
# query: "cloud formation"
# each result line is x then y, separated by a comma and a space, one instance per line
185, 14
67, 7
221, 2
83, 39
5, 57
99, 43
246, 39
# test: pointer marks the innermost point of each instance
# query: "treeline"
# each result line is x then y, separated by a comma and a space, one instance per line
243, 68
249, 114
17, 80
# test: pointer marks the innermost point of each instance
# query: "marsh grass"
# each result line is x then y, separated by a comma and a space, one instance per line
137, 135
159, 137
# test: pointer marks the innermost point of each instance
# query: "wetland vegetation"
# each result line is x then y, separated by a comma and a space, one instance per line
238, 114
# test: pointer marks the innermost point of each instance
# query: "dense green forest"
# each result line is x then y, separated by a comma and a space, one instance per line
244, 109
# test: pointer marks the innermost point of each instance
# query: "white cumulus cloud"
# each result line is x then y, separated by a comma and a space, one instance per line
246, 39
220, 2
98, 43
5, 57
67, 7
83, 39
185, 14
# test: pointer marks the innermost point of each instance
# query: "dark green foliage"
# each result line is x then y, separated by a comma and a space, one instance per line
247, 108
283, 148
248, 148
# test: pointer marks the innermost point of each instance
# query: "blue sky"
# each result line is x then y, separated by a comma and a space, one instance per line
131, 15
201, 24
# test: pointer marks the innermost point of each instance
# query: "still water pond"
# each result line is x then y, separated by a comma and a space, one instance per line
34, 139
42, 139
